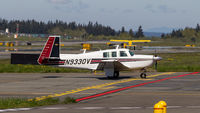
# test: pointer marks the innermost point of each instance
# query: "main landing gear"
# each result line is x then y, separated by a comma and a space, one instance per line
143, 74
116, 74
113, 75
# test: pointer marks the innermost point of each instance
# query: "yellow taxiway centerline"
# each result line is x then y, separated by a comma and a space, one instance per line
96, 87
151, 76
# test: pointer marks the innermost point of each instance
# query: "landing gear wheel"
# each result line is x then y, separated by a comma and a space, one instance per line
143, 75
116, 74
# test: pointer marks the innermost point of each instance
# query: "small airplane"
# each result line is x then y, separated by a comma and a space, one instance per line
112, 61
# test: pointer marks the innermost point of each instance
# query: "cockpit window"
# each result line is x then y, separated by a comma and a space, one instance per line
131, 53
114, 54
123, 54
105, 54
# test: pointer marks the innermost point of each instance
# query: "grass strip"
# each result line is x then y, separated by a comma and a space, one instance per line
179, 62
6, 103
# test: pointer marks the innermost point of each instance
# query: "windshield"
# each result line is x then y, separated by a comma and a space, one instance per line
131, 53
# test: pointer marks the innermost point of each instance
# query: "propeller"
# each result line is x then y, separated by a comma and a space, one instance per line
156, 61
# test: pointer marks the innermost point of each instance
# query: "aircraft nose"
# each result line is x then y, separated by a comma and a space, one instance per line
157, 58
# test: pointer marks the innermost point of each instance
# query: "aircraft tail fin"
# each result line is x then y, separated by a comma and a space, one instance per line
50, 50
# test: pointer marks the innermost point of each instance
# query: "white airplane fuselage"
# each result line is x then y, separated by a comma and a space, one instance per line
112, 61
86, 60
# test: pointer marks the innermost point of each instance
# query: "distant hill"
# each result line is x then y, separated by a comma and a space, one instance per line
161, 30
152, 34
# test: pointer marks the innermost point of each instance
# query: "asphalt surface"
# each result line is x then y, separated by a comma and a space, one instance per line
181, 94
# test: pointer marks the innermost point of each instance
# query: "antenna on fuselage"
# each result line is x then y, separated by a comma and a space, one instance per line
117, 46
84, 50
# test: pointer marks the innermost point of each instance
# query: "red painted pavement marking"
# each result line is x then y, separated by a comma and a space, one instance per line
125, 88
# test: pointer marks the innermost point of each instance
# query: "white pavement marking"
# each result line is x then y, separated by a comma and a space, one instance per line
174, 107
149, 107
193, 107
18, 109
2, 111
54, 108
90, 108
24, 109
124, 108
11, 110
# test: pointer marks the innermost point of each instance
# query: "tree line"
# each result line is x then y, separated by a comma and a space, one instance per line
62, 28
184, 33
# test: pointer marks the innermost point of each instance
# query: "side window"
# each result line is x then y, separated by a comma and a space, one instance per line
114, 54
105, 54
123, 54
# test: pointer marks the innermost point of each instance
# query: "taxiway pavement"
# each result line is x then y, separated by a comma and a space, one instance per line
181, 94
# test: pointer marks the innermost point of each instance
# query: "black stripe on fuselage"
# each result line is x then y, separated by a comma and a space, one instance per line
120, 60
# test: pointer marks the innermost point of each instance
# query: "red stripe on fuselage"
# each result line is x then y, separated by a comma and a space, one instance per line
129, 60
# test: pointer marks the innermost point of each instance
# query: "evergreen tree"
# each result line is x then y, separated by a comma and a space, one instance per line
193, 39
123, 30
177, 33
173, 34
131, 33
35, 27
197, 28
162, 35
139, 33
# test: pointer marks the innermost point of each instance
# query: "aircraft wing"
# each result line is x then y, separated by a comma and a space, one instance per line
114, 64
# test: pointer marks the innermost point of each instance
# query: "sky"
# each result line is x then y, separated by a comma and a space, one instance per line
152, 15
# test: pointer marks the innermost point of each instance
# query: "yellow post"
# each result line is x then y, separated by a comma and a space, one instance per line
86, 46
158, 108
108, 43
7, 44
125, 45
164, 105
187, 45
11, 44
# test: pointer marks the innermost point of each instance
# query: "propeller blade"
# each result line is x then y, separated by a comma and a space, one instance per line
156, 65
156, 61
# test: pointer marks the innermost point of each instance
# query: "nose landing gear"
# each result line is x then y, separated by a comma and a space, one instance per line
143, 74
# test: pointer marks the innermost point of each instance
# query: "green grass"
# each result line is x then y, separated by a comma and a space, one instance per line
6, 103
179, 62
69, 100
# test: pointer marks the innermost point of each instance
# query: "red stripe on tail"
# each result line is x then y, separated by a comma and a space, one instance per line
46, 52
